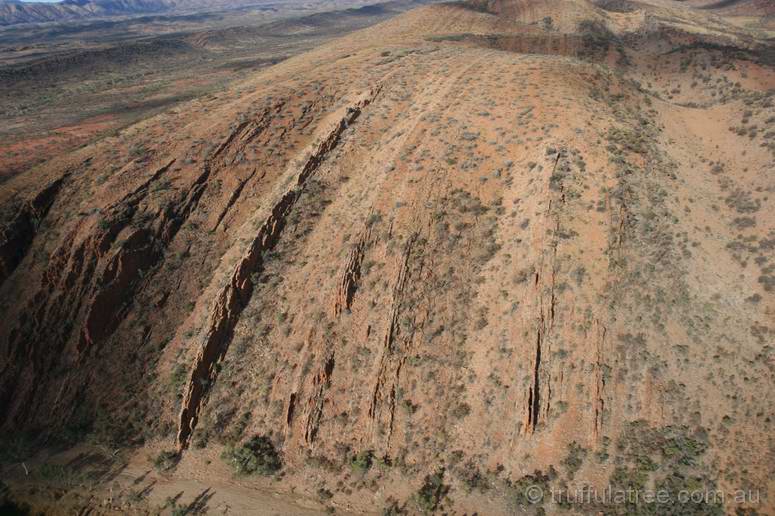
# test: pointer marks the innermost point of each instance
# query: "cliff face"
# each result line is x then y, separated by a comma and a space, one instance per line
512, 257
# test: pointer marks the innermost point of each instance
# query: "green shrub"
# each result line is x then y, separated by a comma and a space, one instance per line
258, 455
575, 458
362, 461
166, 460
432, 492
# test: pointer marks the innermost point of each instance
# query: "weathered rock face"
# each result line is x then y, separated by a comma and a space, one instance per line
237, 293
455, 249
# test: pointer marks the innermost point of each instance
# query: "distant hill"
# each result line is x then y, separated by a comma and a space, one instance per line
13, 12
738, 7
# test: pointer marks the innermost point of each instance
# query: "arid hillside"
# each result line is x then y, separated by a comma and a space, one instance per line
477, 248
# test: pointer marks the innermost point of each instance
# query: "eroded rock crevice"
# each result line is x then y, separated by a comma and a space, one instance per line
17, 235
351, 273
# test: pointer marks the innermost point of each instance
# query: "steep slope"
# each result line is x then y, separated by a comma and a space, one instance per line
435, 262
